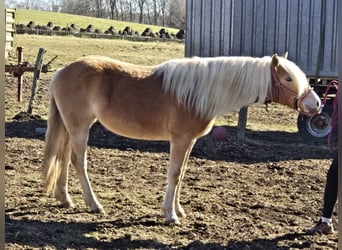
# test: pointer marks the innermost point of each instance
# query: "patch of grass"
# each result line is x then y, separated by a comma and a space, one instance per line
24, 16
70, 48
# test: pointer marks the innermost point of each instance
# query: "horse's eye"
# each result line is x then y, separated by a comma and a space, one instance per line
288, 79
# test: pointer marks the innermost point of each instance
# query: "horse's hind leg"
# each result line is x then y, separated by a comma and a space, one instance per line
61, 190
79, 141
179, 154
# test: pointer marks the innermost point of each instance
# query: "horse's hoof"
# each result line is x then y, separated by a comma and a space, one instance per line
67, 204
180, 213
98, 210
172, 222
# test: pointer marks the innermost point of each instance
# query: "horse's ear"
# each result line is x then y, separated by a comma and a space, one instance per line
285, 54
275, 60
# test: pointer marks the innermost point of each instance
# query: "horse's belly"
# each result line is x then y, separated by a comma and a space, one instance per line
131, 127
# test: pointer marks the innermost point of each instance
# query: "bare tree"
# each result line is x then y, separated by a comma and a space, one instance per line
141, 4
113, 9
177, 14
99, 8
148, 11
163, 10
125, 8
78, 7
32, 4
156, 12
152, 11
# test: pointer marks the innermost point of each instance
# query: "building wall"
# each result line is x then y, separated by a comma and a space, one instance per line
307, 29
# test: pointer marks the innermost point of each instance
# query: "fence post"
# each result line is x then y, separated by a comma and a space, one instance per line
20, 51
242, 122
38, 68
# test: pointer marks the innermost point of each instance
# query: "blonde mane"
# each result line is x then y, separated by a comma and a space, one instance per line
216, 85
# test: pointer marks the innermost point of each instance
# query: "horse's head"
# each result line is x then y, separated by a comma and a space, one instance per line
290, 87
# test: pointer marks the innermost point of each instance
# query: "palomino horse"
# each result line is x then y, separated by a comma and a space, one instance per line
176, 101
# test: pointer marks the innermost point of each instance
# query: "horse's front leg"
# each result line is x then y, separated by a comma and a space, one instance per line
179, 209
179, 154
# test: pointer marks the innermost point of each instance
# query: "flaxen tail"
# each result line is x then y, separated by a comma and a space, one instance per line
57, 147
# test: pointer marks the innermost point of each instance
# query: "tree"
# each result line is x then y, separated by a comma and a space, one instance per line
113, 9
163, 10
99, 8
177, 11
141, 4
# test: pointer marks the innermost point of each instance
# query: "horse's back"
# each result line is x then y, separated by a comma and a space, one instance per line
95, 76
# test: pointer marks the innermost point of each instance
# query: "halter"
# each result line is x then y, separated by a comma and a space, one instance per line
279, 88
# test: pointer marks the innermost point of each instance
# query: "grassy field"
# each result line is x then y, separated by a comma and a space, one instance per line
24, 16
70, 48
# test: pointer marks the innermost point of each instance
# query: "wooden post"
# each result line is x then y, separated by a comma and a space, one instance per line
242, 122
38, 68
20, 51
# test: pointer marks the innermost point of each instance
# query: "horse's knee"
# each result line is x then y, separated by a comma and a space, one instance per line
74, 159
78, 162
174, 176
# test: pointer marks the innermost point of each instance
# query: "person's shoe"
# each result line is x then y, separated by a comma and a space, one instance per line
321, 227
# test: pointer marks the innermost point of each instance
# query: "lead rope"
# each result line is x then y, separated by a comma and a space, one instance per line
334, 116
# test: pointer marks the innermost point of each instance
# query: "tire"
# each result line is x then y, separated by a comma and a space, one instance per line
316, 127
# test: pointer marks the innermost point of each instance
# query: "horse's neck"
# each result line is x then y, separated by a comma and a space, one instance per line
251, 84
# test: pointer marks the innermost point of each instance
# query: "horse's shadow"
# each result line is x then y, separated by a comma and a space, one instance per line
259, 147
63, 235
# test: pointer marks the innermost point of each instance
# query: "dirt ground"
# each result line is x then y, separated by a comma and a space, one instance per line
261, 194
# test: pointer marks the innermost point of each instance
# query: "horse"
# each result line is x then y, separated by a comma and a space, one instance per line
175, 101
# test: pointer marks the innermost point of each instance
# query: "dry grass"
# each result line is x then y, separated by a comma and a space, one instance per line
70, 48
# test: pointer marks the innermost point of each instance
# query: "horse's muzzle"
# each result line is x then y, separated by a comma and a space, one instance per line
309, 103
